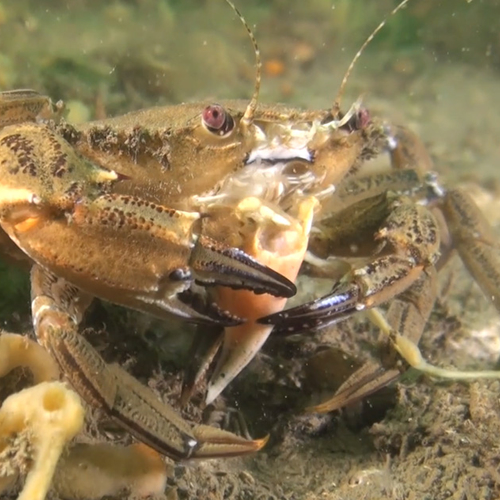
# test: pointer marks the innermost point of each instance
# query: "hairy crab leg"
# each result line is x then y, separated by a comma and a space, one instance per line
409, 243
57, 309
205, 346
470, 234
475, 241
408, 314
473, 237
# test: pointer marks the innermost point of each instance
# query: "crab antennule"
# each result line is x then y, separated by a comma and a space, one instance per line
336, 104
248, 116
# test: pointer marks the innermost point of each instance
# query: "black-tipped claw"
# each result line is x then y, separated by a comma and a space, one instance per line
200, 310
214, 264
338, 305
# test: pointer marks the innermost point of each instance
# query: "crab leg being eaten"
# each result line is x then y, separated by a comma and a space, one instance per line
280, 242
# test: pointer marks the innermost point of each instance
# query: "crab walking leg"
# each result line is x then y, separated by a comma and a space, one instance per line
57, 307
206, 344
281, 249
367, 380
407, 151
408, 314
475, 241
473, 237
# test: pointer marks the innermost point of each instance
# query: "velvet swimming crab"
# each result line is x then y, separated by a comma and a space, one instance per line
206, 211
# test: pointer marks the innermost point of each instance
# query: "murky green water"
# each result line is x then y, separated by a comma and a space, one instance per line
131, 54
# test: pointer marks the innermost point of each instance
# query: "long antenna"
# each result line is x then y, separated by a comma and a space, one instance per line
247, 118
336, 104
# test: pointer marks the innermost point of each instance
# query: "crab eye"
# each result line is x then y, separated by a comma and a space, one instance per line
358, 121
363, 118
216, 120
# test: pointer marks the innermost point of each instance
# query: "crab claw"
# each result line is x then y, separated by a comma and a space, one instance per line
216, 443
341, 303
195, 308
214, 264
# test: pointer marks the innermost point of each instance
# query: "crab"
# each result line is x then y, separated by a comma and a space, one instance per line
161, 265
206, 212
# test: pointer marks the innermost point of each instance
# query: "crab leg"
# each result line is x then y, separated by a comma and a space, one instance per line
475, 241
57, 309
409, 244
408, 314
473, 237
463, 226
206, 344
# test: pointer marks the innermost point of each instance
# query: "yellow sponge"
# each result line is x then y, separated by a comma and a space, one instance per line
17, 350
37, 423
46, 416
94, 471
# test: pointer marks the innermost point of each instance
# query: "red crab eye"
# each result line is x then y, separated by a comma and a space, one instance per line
358, 121
363, 118
216, 120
